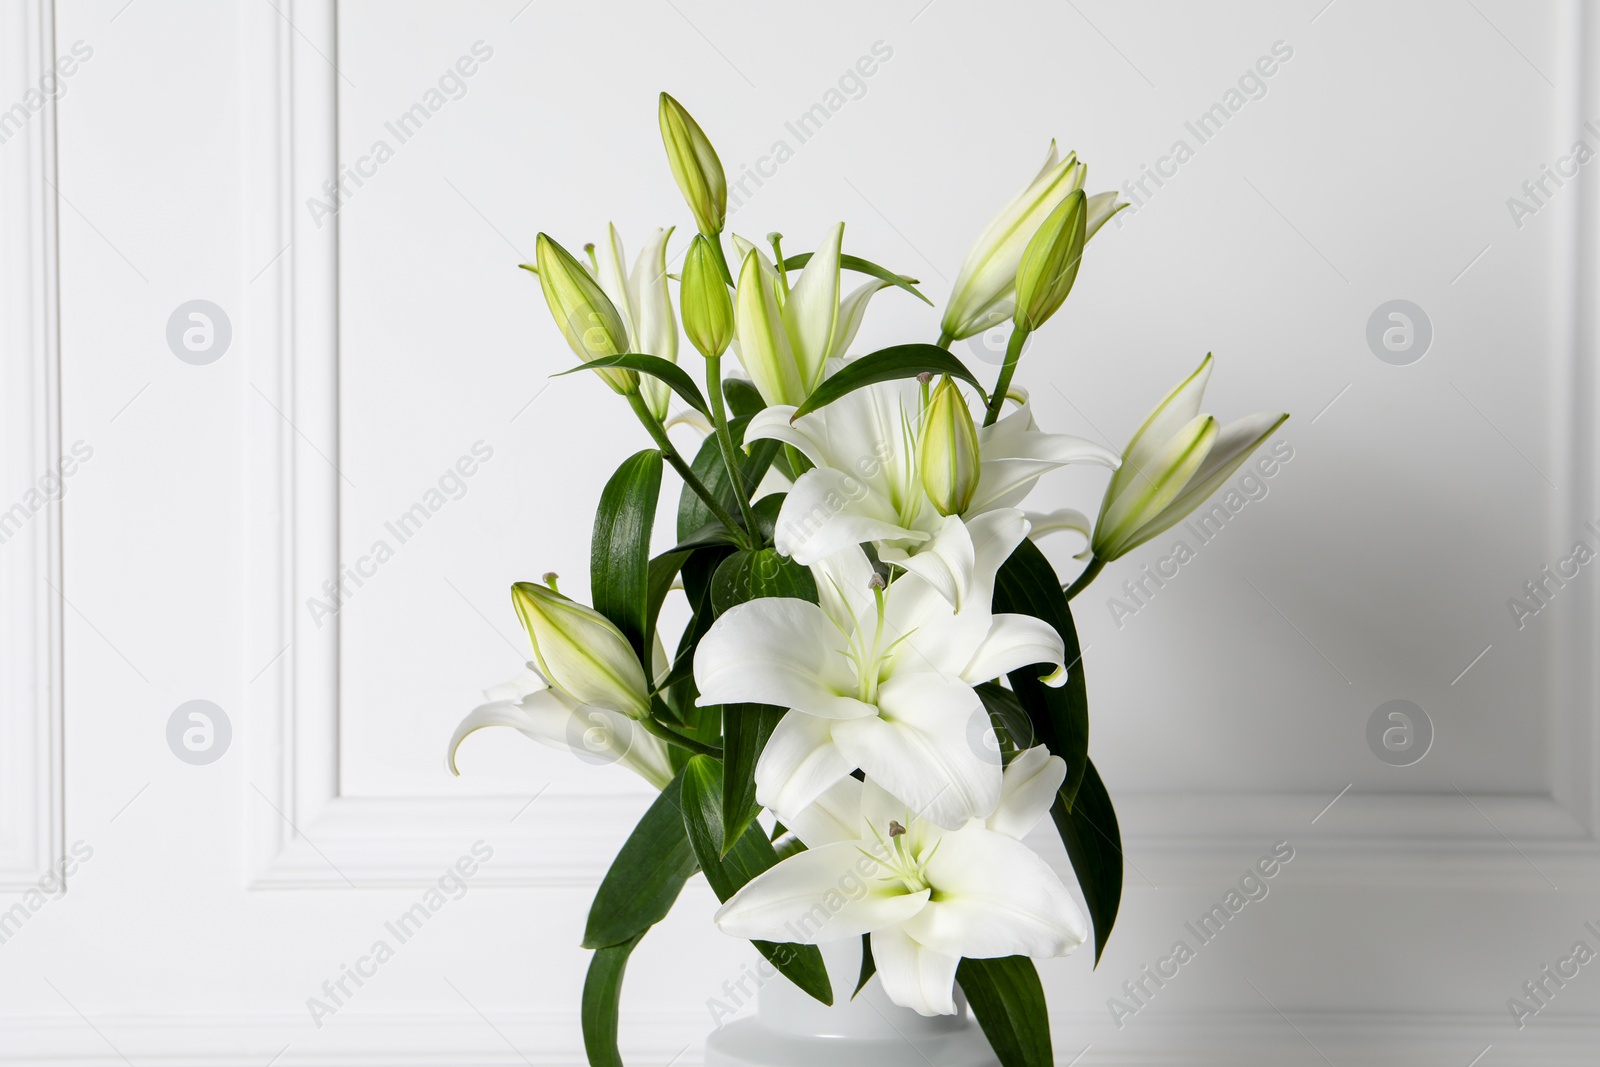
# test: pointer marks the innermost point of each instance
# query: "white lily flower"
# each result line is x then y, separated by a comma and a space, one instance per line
984, 293
927, 895
878, 679
1175, 461
787, 334
866, 485
529, 704
642, 300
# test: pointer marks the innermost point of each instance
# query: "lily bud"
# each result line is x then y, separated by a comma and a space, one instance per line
764, 346
707, 308
949, 450
984, 294
1178, 458
695, 166
580, 652
587, 317
1050, 263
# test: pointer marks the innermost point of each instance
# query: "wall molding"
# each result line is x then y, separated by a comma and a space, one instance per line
304, 833
30, 447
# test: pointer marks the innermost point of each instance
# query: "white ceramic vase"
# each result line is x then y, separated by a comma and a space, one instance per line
789, 1029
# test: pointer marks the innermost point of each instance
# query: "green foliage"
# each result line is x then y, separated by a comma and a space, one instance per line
619, 552
676, 377
647, 875
887, 365
1009, 1004
727, 873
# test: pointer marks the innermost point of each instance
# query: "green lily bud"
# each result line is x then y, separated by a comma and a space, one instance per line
707, 307
1178, 458
587, 317
984, 293
948, 458
695, 166
1050, 263
580, 652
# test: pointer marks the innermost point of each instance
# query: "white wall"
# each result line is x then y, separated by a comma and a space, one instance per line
371, 351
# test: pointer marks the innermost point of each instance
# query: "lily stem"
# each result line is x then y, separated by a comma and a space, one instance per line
730, 455
722, 260
944, 341
673, 737
659, 434
1088, 575
1019, 336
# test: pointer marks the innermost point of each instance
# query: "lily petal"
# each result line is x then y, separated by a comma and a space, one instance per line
1178, 410
924, 747
1101, 207
1043, 524
612, 276
1013, 463
1165, 476
799, 764
654, 325
764, 347
946, 562
541, 716
852, 310
817, 895
829, 510
1016, 641
811, 314
781, 651
833, 817
913, 975
996, 898
1234, 444
1029, 787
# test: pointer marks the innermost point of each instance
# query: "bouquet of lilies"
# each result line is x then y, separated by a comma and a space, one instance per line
877, 656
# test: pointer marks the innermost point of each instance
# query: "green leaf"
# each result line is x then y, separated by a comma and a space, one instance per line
1060, 720
619, 553
713, 533
701, 723
1013, 730
663, 571
745, 730
886, 365
748, 575
750, 856
647, 875
1028, 585
1094, 844
676, 377
869, 966
693, 515
864, 266
766, 511
742, 397
1008, 1002
602, 995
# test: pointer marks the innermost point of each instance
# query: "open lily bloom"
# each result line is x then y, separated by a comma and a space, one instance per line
641, 298
927, 895
529, 704
866, 485
878, 679
1177, 459
785, 335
